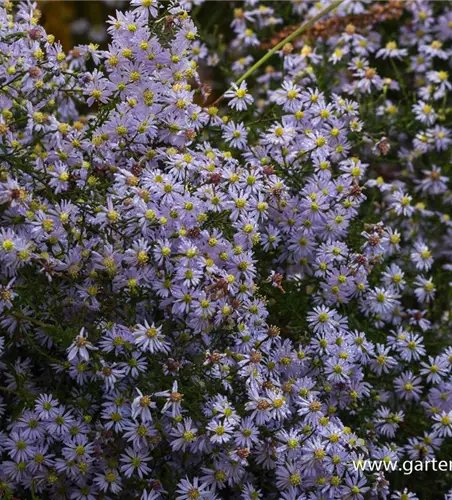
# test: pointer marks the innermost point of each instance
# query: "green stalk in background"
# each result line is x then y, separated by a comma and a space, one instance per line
307, 25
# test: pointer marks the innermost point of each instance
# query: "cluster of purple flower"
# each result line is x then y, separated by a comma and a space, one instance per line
222, 302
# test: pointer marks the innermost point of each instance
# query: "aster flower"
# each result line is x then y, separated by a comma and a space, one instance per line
368, 79
240, 99
141, 407
425, 113
402, 204
260, 407
405, 494
422, 256
411, 347
354, 487
149, 338
443, 424
288, 96
247, 434
394, 277
109, 480
80, 347
425, 289
383, 362
173, 400
19, 447
288, 475
192, 489
381, 301
391, 50
185, 434
147, 6
135, 462
279, 134
408, 386
433, 182
235, 135
221, 431
388, 422
435, 369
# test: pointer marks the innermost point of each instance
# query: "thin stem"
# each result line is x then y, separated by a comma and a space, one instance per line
36, 322
399, 79
19, 393
12, 391
307, 25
